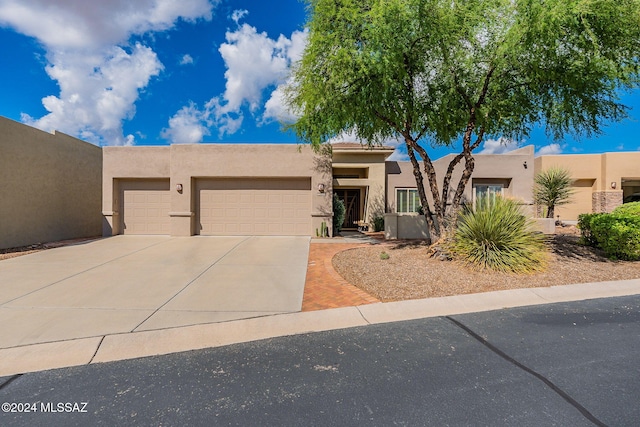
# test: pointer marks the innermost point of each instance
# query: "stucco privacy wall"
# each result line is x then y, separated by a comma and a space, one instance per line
51, 186
186, 164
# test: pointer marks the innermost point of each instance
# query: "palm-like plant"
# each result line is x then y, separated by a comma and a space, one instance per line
552, 188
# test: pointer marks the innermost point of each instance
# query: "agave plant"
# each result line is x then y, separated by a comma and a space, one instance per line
497, 236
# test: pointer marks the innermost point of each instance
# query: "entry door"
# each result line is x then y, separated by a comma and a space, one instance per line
351, 199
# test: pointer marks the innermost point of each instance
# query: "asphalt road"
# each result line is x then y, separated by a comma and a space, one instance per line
568, 364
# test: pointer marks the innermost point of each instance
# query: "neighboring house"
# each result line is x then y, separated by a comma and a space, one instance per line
50, 186
601, 181
238, 189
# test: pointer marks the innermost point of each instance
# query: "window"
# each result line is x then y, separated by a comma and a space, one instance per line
407, 200
481, 191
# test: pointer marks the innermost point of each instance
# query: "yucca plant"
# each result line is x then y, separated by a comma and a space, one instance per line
552, 188
497, 236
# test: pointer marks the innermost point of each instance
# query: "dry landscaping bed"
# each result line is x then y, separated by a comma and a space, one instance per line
25, 250
409, 273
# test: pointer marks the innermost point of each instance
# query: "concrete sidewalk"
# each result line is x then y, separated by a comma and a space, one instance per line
120, 346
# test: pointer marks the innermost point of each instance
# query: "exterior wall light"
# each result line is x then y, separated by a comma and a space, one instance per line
525, 165
179, 188
320, 188
613, 185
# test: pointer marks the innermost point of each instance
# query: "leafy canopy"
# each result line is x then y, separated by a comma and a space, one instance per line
384, 68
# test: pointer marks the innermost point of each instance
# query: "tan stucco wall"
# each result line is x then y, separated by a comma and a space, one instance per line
374, 161
183, 164
51, 186
506, 168
128, 163
593, 176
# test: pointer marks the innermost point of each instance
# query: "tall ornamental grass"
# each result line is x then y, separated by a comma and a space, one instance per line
497, 236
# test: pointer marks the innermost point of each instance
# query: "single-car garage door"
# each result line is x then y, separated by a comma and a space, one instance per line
145, 206
254, 206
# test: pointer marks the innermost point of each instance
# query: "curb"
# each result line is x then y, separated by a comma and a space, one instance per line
108, 348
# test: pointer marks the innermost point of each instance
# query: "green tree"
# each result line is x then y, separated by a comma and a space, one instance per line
552, 188
437, 72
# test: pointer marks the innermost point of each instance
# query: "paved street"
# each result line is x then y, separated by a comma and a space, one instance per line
565, 364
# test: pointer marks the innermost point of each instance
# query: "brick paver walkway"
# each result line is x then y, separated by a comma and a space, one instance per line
324, 287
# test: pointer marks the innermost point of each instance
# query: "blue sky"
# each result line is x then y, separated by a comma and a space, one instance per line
155, 72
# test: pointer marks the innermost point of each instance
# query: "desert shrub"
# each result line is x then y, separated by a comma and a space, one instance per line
378, 223
497, 236
584, 224
628, 209
617, 235
339, 212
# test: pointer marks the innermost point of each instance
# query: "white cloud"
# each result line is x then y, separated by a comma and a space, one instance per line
186, 60
74, 24
97, 92
255, 63
276, 108
187, 126
238, 14
499, 146
99, 79
549, 149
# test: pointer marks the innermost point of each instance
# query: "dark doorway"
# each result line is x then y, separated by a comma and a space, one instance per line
351, 199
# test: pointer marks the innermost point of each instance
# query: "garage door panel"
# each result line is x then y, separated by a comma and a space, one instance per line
145, 207
254, 206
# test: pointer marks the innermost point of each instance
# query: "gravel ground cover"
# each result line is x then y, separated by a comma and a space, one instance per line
409, 272
25, 250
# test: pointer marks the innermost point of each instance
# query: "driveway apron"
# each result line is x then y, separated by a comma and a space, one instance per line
130, 283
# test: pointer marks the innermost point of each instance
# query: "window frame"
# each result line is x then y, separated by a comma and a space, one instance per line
488, 185
415, 200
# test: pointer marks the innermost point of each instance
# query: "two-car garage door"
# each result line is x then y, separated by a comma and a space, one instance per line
223, 206
250, 206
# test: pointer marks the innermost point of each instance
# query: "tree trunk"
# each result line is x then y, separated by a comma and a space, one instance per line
550, 211
434, 228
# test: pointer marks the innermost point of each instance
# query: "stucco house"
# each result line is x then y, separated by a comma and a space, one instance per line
278, 189
601, 182
57, 187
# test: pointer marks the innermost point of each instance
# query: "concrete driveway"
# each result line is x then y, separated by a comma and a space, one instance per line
135, 283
